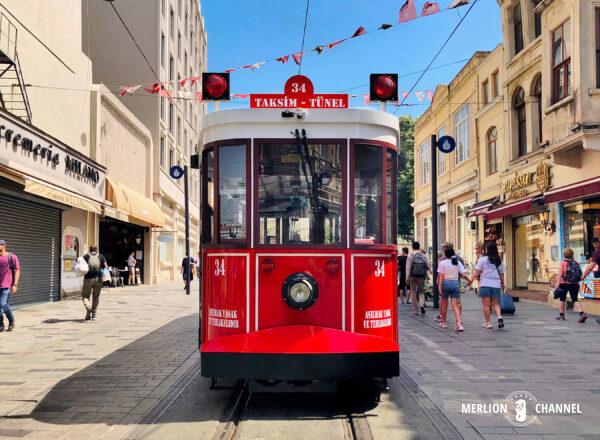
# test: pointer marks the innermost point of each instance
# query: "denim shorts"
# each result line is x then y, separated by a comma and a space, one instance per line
450, 288
489, 292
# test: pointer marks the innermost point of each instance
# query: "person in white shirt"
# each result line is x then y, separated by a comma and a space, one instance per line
490, 271
450, 270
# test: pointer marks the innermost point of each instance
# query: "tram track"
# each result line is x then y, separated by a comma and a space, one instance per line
355, 425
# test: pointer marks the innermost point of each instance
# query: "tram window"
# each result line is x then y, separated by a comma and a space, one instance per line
299, 194
232, 193
208, 196
390, 174
367, 194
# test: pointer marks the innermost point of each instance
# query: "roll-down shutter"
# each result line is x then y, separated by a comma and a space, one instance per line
32, 231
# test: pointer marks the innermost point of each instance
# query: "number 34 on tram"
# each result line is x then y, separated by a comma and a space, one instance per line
299, 236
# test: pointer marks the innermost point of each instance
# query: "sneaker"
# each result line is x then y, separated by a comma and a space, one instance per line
437, 318
11, 326
487, 325
422, 310
442, 324
582, 318
459, 328
560, 318
408, 303
88, 315
500, 322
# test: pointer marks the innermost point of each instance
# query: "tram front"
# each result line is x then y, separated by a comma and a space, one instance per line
299, 244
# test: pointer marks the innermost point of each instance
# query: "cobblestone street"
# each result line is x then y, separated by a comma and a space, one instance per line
67, 378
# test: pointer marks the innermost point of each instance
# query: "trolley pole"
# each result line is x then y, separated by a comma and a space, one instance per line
187, 229
434, 221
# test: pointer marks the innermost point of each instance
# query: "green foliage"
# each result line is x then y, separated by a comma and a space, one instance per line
406, 178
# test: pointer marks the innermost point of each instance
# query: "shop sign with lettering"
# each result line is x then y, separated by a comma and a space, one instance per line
299, 93
34, 154
518, 186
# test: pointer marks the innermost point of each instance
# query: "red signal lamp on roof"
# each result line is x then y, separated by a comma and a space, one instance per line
384, 87
215, 86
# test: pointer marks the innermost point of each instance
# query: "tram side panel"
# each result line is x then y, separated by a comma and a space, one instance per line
226, 292
374, 299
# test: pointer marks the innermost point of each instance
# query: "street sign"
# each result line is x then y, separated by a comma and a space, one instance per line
299, 93
446, 144
164, 238
176, 172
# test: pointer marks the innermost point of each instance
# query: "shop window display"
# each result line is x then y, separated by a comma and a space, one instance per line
534, 239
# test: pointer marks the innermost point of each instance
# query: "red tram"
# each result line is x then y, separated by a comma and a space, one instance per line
299, 244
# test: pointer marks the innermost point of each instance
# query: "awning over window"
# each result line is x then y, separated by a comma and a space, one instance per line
574, 191
135, 205
61, 196
481, 208
503, 211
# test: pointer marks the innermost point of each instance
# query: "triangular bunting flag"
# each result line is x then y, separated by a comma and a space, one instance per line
457, 3
408, 11
429, 95
358, 32
297, 57
335, 43
420, 96
283, 59
385, 26
430, 8
128, 90
153, 89
319, 49
366, 99
199, 96
229, 70
405, 95
240, 95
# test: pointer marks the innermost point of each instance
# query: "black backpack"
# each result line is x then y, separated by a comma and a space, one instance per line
419, 266
573, 273
12, 266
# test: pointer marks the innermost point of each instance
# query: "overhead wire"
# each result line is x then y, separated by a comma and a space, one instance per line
303, 36
462, 19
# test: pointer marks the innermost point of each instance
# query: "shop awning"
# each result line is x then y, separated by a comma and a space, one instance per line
481, 208
7, 173
577, 190
61, 196
135, 205
503, 211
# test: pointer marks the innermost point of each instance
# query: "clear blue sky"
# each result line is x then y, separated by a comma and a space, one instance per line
249, 31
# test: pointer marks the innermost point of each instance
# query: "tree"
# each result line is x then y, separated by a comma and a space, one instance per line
406, 176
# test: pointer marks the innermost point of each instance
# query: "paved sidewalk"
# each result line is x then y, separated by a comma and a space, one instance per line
64, 377
558, 362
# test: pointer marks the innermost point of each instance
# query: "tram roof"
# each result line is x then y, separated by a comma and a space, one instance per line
319, 124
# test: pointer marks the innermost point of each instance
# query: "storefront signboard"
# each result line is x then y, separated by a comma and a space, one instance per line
33, 153
521, 184
590, 287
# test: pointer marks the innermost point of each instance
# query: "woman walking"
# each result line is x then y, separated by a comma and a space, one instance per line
569, 276
450, 270
490, 273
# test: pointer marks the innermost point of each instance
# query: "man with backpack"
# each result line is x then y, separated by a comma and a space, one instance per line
92, 281
10, 273
569, 276
417, 268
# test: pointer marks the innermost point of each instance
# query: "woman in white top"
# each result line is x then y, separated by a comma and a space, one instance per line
490, 272
450, 270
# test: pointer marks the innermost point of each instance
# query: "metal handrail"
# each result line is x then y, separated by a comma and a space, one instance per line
22, 87
8, 37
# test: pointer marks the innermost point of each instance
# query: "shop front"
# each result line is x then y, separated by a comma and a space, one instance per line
129, 226
50, 197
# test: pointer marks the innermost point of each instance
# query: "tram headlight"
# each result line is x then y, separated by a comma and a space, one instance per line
300, 291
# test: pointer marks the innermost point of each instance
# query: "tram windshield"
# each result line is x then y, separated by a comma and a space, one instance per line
300, 194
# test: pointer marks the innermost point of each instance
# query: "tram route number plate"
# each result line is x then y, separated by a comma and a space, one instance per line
299, 93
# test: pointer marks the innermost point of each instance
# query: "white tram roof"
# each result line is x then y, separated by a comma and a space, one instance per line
319, 124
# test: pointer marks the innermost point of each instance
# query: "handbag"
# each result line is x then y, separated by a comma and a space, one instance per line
559, 292
81, 267
106, 276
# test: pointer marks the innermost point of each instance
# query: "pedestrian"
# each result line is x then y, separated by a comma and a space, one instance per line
402, 275
10, 274
417, 269
187, 266
594, 261
131, 262
569, 276
450, 271
92, 281
490, 272
449, 245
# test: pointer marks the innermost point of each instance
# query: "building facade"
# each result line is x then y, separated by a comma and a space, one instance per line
172, 36
541, 193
